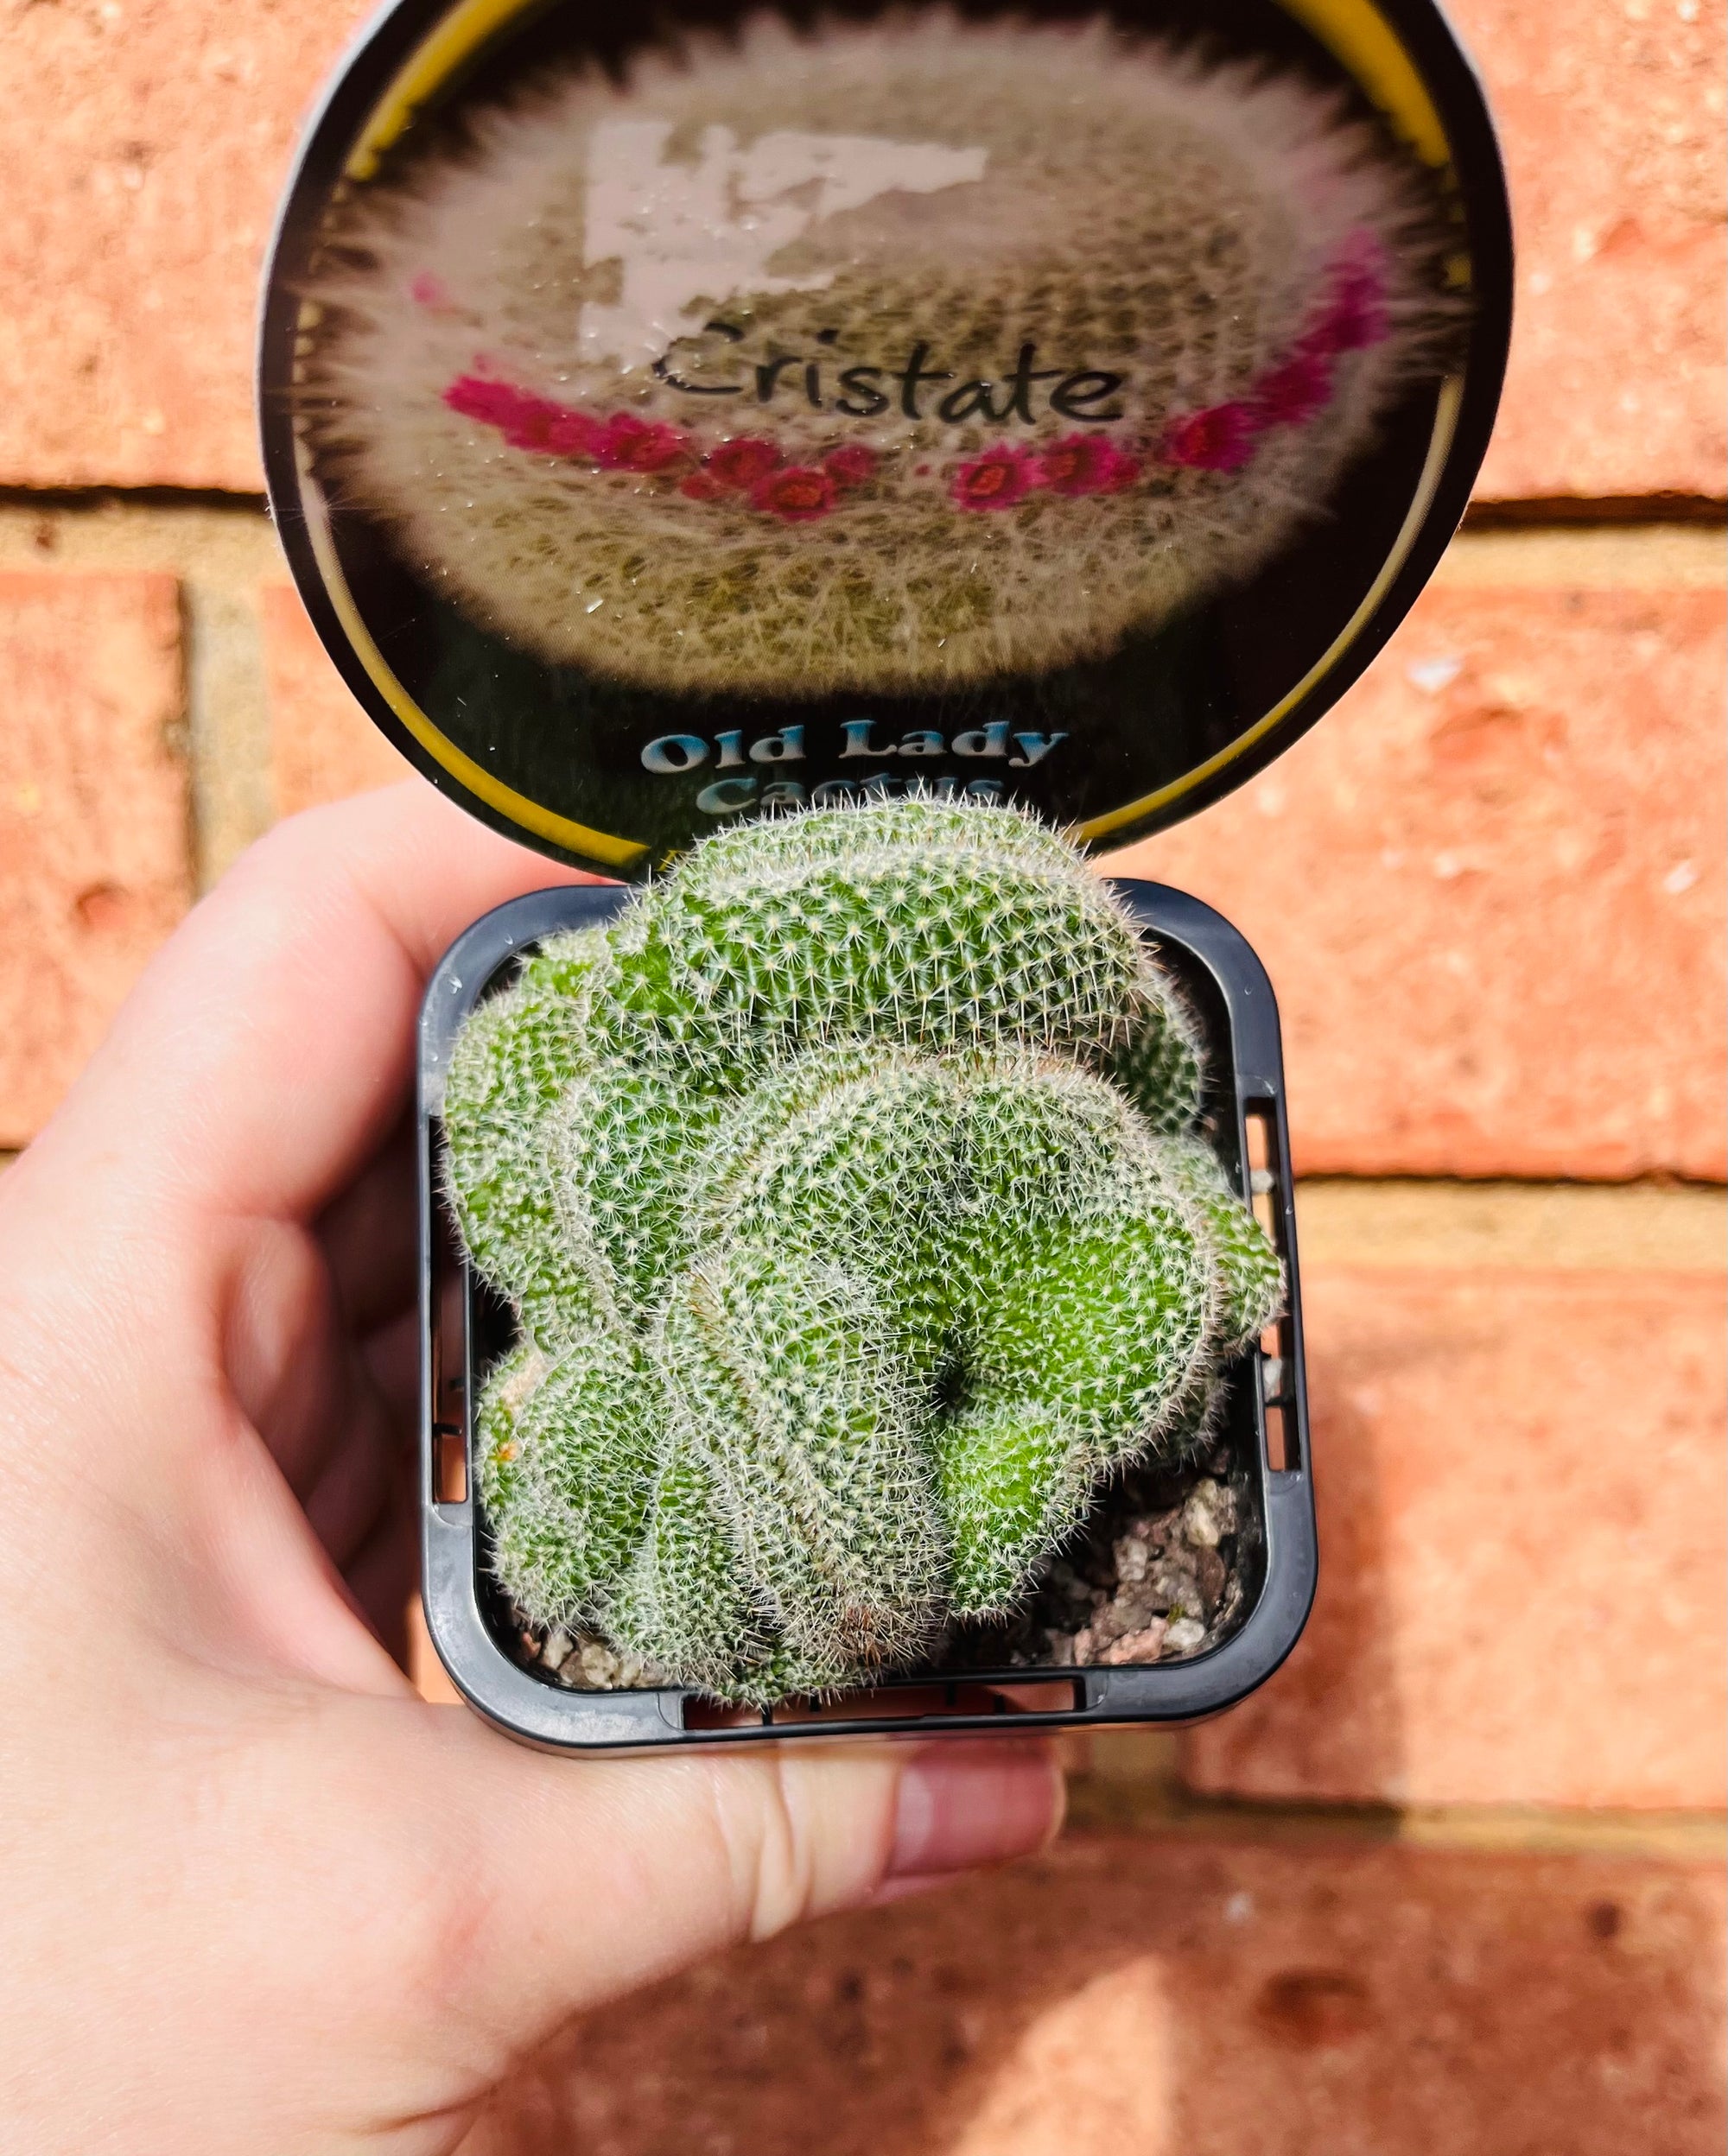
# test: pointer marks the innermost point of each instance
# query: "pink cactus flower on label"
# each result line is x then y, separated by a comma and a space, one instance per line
702, 487
998, 480
1292, 393
493, 404
851, 467
1219, 439
566, 433
1355, 315
1086, 464
525, 422
741, 462
554, 429
628, 444
798, 495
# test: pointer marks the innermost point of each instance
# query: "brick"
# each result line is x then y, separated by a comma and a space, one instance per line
1488, 887
1520, 1482
323, 744
145, 142
94, 828
1134, 1998
143, 145
220, 547
1610, 117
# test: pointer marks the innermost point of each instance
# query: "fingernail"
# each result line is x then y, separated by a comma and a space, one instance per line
981, 1804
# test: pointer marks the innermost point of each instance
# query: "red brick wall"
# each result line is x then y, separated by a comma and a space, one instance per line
1449, 1883
146, 139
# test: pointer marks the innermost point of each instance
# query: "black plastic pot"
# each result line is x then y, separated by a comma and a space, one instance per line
1264, 1431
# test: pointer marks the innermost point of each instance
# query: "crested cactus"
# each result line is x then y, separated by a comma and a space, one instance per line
848, 1192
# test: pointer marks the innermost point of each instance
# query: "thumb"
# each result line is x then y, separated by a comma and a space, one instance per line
586, 1878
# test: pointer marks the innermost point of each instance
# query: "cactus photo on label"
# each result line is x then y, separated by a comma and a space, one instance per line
850, 1193
891, 357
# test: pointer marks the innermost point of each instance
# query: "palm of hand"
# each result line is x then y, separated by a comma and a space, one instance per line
260, 1894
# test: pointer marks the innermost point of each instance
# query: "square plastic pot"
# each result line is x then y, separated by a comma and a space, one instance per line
1264, 1429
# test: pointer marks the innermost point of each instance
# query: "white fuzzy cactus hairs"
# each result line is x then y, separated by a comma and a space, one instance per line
846, 1191
886, 357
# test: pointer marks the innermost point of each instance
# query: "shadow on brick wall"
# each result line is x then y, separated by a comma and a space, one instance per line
1139, 1998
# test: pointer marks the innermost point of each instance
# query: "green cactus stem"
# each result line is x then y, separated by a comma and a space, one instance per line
847, 1191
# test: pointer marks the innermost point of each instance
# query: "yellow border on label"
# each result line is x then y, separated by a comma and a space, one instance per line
1354, 31
457, 38
1357, 34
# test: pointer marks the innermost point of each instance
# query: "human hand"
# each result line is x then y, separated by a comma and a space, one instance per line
258, 1895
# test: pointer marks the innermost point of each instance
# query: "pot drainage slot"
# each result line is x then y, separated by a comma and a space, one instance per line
1269, 1183
449, 1465
448, 1295
902, 1703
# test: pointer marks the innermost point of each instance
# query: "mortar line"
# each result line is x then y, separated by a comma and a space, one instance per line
1568, 512
196, 816
47, 498
1107, 1804
1657, 1185
1529, 512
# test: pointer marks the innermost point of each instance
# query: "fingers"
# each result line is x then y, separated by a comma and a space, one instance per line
291, 1368
383, 1574
357, 1483
267, 1051
391, 1355
371, 1236
956, 1808
428, 1904
589, 1879
335, 1412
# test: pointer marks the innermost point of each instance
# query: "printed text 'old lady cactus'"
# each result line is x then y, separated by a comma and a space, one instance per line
846, 1190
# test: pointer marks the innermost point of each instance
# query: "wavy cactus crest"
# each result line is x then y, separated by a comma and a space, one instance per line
847, 1192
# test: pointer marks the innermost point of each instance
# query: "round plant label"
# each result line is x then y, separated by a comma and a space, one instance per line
1053, 407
